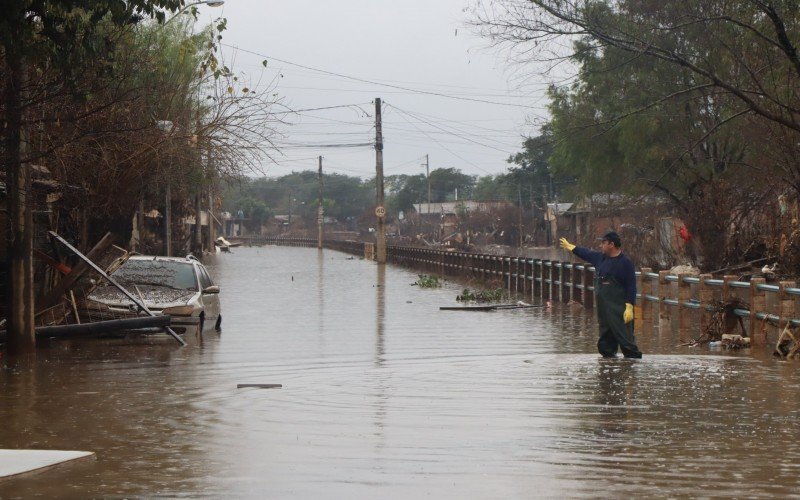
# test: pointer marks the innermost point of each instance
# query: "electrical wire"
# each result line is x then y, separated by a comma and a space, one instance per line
447, 131
371, 82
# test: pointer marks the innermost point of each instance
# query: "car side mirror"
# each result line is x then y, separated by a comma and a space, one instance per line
211, 289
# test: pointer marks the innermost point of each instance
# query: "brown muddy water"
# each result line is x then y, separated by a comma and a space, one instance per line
385, 396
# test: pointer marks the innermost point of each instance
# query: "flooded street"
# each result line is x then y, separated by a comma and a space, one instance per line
385, 396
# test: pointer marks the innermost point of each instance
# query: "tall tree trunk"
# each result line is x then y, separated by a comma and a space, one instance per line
19, 283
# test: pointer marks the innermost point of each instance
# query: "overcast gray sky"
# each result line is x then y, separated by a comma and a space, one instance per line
418, 56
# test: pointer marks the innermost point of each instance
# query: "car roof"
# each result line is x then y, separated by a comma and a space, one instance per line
161, 258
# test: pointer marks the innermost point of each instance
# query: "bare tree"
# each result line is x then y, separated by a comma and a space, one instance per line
745, 48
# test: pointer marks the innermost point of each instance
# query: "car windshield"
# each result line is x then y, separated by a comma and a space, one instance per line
172, 274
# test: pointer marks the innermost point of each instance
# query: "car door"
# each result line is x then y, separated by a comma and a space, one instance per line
210, 300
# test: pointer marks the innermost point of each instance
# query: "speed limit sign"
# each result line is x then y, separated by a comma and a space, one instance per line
380, 211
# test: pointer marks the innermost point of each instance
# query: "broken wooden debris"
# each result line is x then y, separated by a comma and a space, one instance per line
66, 283
119, 287
259, 386
100, 327
787, 346
493, 307
735, 341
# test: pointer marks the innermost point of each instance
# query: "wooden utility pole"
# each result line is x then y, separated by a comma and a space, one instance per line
197, 249
168, 219
519, 236
380, 210
211, 233
428, 178
320, 211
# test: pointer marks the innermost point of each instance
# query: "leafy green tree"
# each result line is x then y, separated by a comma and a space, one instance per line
298, 193
664, 95
494, 188
446, 181
681, 148
405, 191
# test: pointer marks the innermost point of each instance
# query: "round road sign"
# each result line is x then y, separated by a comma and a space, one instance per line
380, 211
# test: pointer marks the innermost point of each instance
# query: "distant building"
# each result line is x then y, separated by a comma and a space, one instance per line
455, 207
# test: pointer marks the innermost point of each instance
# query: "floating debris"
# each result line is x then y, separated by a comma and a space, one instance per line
735, 341
259, 386
723, 319
426, 281
493, 307
495, 295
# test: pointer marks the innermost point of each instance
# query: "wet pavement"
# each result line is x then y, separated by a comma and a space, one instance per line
385, 396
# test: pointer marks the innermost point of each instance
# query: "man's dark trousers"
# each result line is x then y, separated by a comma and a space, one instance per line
614, 332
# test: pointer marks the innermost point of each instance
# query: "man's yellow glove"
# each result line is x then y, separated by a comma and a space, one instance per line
627, 316
566, 245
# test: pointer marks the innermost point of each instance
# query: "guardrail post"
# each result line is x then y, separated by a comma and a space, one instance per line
546, 279
664, 318
528, 274
566, 282
558, 275
505, 266
637, 309
758, 304
786, 308
684, 318
588, 284
727, 295
536, 282
574, 277
705, 295
646, 307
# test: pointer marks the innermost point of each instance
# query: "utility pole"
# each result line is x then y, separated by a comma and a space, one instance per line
198, 224
320, 213
428, 177
519, 237
211, 233
380, 210
548, 223
168, 219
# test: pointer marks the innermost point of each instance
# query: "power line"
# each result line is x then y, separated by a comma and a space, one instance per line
442, 145
290, 110
310, 145
371, 82
447, 131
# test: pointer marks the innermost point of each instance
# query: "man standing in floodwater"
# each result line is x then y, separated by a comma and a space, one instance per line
615, 288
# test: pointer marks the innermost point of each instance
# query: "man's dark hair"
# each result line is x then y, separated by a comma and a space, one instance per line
613, 238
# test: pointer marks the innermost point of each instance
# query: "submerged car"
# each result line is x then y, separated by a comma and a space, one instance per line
180, 287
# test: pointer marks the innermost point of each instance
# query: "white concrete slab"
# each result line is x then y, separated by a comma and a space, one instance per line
16, 462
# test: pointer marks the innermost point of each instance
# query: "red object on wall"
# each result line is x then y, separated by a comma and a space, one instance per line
684, 233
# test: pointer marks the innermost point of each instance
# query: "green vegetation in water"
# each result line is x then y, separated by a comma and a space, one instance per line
426, 281
495, 295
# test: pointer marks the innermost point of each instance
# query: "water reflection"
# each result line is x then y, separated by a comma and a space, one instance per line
616, 382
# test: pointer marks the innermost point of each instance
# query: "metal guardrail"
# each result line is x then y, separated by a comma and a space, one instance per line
546, 280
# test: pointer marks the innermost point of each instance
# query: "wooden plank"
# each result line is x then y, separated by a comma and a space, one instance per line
259, 386
14, 463
70, 279
100, 327
489, 307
